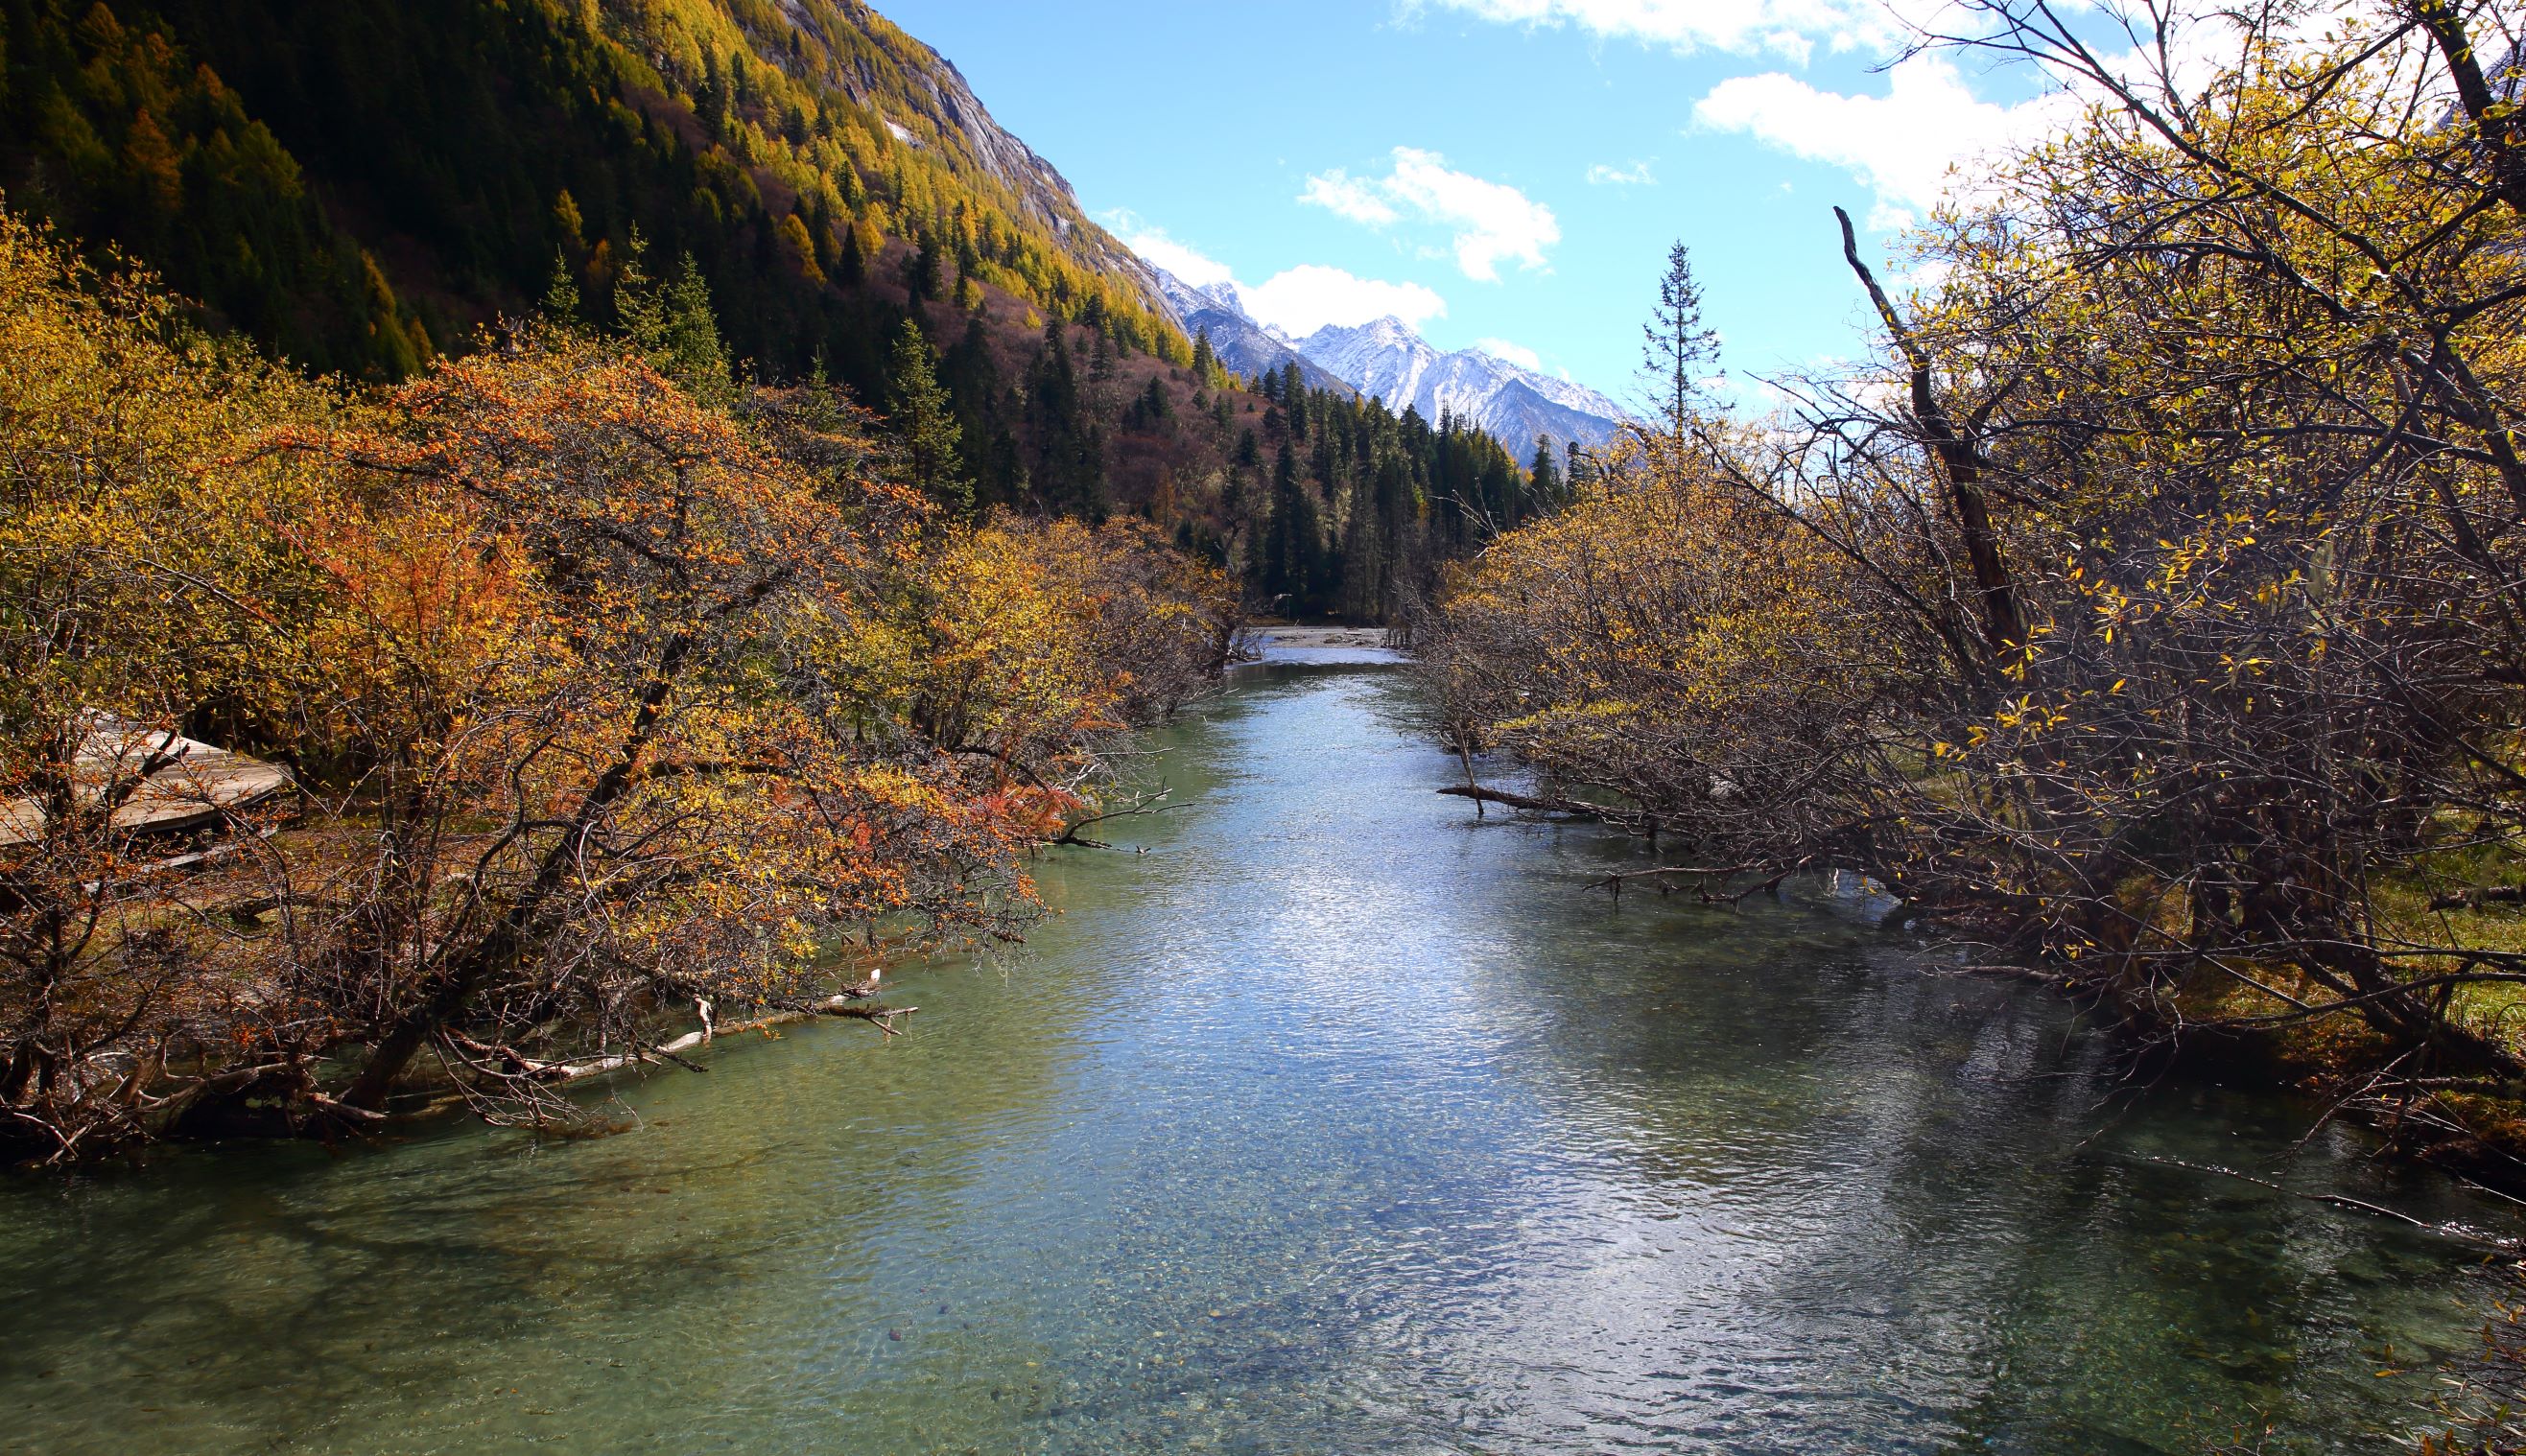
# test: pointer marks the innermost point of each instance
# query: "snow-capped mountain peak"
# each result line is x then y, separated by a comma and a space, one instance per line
1391, 331
1245, 345
1388, 359
1514, 404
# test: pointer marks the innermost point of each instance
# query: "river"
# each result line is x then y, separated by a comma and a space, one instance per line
1326, 1118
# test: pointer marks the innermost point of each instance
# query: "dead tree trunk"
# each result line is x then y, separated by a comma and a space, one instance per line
1961, 459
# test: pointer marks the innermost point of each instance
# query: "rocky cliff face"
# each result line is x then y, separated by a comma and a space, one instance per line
927, 102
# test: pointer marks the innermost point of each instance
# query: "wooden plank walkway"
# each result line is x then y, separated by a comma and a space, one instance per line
193, 787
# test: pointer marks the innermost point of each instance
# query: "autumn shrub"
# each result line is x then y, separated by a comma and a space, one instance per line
141, 591
604, 698
1678, 654
2150, 601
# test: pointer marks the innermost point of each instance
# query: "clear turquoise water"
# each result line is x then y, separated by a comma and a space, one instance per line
1337, 1121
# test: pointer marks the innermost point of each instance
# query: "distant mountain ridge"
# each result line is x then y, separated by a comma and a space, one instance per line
1393, 363
1512, 404
1247, 347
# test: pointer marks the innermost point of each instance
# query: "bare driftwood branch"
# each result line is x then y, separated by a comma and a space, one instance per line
1145, 804
1615, 882
1481, 795
512, 1065
2457, 1232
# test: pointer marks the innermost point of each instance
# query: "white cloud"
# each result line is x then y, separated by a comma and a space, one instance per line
1493, 223
1176, 258
1791, 27
1347, 196
1153, 244
1927, 136
1901, 144
1298, 301
1638, 175
1517, 354
1312, 296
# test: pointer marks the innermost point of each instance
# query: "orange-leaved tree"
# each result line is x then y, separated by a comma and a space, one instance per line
600, 747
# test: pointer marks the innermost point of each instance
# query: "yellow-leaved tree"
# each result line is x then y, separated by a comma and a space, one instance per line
2152, 601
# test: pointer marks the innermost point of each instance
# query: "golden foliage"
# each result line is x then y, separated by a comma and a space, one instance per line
1665, 634
602, 700
2152, 599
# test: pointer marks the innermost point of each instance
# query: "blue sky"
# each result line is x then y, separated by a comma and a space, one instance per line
1506, 172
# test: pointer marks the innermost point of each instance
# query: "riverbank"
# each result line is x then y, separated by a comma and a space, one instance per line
1322, 639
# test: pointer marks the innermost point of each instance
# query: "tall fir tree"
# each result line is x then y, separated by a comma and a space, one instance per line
850, 266
921, 269
674, 326
924, 424
1679, 346
560, 302
1543, 480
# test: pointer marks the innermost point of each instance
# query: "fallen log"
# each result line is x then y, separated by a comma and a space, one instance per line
2474, 899
851, 1006
1481, 795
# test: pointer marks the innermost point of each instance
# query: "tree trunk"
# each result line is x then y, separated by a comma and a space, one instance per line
524, 922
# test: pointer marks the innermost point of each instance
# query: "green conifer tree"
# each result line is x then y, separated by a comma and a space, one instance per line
674, 327
925, 423
561, 295
1544, 477
851, 267
710, 99
921, 271
1679, 345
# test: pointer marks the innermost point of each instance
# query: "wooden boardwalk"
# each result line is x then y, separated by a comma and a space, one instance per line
190, 786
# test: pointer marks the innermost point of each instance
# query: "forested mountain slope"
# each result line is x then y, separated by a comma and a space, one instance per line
363, 185
359, 182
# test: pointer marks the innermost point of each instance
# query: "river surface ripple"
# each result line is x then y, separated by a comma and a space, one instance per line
1337, 1120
